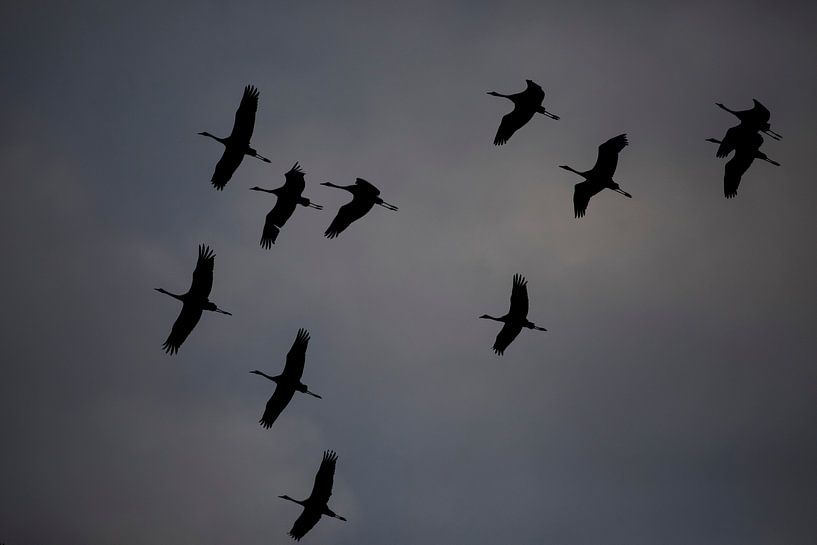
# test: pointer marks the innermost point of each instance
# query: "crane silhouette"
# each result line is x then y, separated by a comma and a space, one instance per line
289, 197
194, 302
288, 382
525, 105
746, 151
237, 145
315, 506
516, 318
756, 118
364, 197
600, 176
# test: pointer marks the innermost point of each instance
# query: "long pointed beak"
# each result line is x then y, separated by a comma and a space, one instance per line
387, 206
224, 312
623, 193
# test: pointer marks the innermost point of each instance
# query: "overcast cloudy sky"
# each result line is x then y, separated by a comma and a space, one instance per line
673, 400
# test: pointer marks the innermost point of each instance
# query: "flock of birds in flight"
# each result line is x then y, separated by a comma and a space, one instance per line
743, 139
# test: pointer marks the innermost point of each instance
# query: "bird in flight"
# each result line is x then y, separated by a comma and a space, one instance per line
289, 197
747, 149
237, 145
364, 197
525, 105
315, 506
754, 119
600, 176
288, 382
516, 318
194, 302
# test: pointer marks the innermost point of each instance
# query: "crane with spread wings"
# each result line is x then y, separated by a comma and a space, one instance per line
599, 177
516, 318
194, 302
237, 145
289, 381
316, 505
525, 105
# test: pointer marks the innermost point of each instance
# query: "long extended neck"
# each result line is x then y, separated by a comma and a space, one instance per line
173, 295
273, 191
216, 138
721, 106
571, 169
336, 186
299, 502
273, 379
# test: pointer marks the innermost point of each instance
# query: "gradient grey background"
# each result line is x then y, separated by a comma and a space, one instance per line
672, 400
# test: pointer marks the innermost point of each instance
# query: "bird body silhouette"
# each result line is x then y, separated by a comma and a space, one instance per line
516, 318
316, 505
525, 105
237, 145
600, 176
195, 301
288, 382
754, 119
289, 197
364, 197
747, 149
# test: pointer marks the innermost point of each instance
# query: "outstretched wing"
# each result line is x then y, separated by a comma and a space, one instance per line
294, 367
184, 324
226, 166
582, 192
505, 337
294, 180
734, 170
203, 274
245, 117
348, 213
324, 478
607, 160
729, 141
308, 519
760, 112
276, 404
519, 297
512, 122
276, 218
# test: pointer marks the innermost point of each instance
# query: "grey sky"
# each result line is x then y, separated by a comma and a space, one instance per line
672, 400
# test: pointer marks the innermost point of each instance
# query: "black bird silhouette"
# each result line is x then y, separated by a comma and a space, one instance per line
315, 506
364, 197
516, 318
525, 105
600, 176
289, 196
288, 382
746, 151
194, 301
756, 118
237, 145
